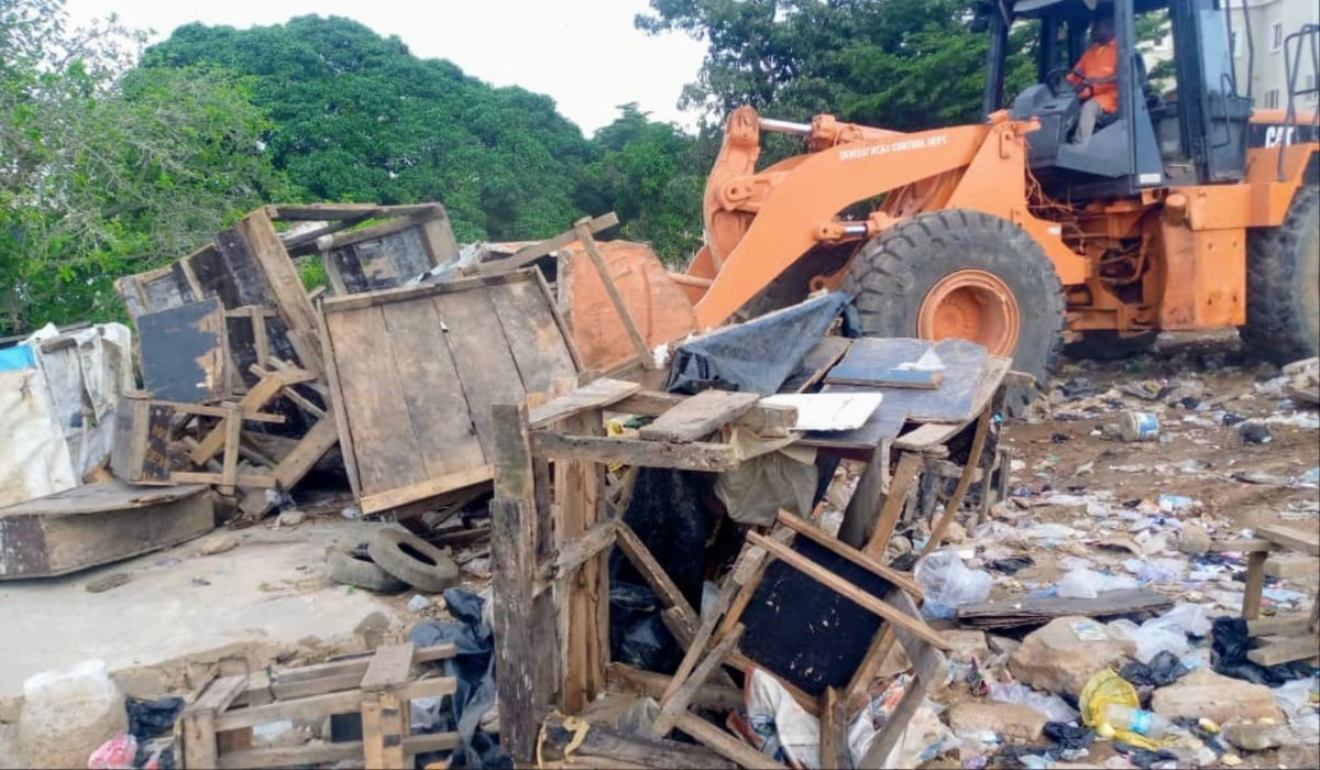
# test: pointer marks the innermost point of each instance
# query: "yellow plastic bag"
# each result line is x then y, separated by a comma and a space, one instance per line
1106, 687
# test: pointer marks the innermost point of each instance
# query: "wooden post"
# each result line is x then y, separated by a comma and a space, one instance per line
952, 505
909, 464
518, 651
233, 428
629, 325
1251, 593
584, 603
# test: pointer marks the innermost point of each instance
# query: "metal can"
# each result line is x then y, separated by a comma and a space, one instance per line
1139, 426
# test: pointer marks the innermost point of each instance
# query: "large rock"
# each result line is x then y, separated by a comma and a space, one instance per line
68, 714
1010, 720
1064, 655
1257, 736
1203, 693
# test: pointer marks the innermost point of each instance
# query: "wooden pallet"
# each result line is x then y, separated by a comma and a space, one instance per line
215, 730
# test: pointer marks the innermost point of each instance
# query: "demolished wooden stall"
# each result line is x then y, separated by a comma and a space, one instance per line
551, 584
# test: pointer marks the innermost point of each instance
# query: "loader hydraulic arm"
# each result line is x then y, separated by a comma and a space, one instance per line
760, 223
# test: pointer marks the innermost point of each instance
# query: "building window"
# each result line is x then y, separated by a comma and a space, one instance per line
1276, 36
1272, 99
1235, 45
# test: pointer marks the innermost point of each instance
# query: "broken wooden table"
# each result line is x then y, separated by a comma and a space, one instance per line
549, 543
215, 730
1281, 638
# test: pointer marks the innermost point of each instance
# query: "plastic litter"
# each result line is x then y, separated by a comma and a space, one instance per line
1050, 705
1298, 700
117, 753
1167, 632
1164, 669
785, 729
418, 603
1176, 503
1136, 720
149, 719
1069, 736
1145, 757
948, 583
1228, 648
1104, 689
1082, 583
1011, 565
1139, 426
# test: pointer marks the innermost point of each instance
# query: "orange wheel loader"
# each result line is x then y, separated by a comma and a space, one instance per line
1182, 210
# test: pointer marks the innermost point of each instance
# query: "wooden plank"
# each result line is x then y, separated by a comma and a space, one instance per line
596, 394
725, 744
859, 518
1292, 536
394, 498
482, 357
679, 694
261, 394
846, 589
715, 458
1035, 611
321, 212
763, 419
583, 230
747, 562
513, 557
1279, 649
583, 604
909, 465
575, 553
305, 708
651, 571
200, 749
529, 254
539, 348
952, 505
816, 364
431, 387
818, 536
720, 697
1255, 584
1279, 625
618, 749
285, 285
834, 753
296, 464
233, 428
389, 668
926, 436
384, 446
1243, 545
699, 416
383, 729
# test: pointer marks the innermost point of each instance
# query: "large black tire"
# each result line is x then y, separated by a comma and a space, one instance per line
1283, 284
1109, 346
892, 274
413, 560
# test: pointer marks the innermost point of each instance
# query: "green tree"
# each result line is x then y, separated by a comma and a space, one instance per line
902, 64
356, 117
104, 173
652, 174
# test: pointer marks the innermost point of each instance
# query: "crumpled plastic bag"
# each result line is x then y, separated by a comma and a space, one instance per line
1049, 704
948, 584
1164, 669
1082, 583
117, 753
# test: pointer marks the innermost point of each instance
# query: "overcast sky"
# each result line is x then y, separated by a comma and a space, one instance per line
585, 54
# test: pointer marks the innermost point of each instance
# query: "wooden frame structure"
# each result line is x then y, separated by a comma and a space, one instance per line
1281, 638
215, 729
550, 579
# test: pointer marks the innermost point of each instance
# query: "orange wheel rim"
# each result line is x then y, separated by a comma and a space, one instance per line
972, 305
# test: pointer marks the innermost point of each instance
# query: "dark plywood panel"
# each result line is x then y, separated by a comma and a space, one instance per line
378, 419
446, 440
183, 352
965, 366
482, 356
534, 336
806, 633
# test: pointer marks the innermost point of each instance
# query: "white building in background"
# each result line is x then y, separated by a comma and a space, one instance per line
1271, 22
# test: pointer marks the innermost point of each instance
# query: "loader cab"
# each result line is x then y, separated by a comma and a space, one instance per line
1189, 130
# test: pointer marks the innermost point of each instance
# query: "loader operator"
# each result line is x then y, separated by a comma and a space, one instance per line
1096, 78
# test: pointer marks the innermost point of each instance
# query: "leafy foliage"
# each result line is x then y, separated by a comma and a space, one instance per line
356, 117
102, 172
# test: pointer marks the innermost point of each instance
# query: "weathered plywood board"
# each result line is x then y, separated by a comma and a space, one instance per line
414, 373
97, 524
183, 352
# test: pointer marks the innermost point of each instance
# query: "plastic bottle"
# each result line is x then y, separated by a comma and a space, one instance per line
1137, 721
